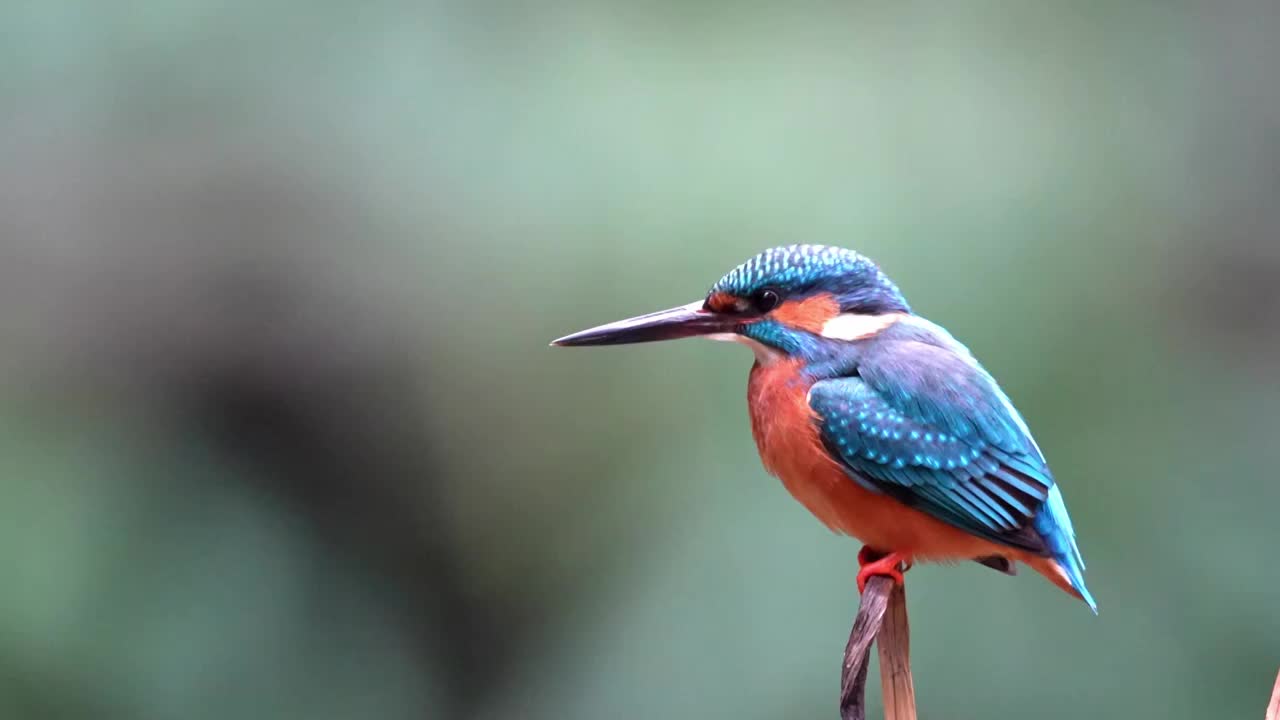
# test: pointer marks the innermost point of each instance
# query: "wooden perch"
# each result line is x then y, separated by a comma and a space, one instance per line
882, 614
1273, 707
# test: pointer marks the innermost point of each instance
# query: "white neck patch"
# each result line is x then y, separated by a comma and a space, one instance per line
765, 355
852, 326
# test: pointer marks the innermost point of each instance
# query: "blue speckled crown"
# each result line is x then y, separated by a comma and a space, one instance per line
799, 269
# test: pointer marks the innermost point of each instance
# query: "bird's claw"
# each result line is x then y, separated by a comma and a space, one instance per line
872, 563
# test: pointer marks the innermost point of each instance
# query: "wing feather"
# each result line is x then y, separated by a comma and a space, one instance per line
930, 427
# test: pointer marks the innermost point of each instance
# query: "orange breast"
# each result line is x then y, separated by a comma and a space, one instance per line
790, 447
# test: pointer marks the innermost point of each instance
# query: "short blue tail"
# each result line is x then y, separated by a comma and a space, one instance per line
1054, 525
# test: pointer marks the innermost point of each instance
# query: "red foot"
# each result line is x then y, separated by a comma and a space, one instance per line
873, 562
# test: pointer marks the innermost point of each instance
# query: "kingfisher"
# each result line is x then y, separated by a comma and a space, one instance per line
884, 426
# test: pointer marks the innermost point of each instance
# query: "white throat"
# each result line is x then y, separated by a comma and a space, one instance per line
765, 355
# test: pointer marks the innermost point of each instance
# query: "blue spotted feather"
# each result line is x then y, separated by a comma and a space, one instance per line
919, 419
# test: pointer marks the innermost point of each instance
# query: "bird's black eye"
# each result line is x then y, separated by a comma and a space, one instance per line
765, 300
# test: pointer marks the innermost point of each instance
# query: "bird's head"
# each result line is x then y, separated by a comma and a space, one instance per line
786, 301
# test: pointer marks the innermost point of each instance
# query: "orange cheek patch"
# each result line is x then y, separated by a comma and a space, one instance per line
808, 314
722, 302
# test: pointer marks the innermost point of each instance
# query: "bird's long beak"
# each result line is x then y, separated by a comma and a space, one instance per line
679, 322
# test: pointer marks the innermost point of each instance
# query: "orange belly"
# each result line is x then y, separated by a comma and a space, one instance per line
790, 447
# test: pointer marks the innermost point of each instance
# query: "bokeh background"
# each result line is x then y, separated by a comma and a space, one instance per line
280, 436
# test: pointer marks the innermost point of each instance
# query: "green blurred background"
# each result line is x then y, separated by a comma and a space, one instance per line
280, 436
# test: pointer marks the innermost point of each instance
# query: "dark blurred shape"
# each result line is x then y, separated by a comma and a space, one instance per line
198, 310
1229, 289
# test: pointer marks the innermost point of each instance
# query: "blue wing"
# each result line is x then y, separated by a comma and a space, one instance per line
927, 425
